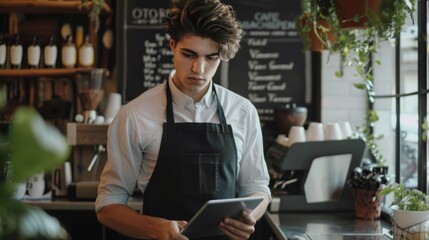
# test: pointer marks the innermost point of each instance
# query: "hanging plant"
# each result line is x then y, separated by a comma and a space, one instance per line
377, 20
96, 7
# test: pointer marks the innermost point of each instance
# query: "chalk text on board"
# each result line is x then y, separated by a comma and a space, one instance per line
254, 42
139, 14
271, 86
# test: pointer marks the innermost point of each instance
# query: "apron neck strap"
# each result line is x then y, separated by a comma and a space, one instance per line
170, 115
220, 112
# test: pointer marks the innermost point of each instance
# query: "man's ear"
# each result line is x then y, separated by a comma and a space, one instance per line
172, 44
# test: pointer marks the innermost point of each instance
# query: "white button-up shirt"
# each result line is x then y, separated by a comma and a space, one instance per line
134, 139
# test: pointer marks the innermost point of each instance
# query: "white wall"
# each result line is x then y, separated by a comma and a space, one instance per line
341, 101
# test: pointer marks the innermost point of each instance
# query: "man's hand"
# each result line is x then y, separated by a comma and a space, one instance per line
238, 229
171, 230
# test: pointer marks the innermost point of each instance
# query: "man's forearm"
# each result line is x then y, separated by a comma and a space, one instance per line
260, 210
128, 221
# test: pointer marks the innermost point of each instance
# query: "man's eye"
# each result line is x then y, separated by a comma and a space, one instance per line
188, 55
212, 58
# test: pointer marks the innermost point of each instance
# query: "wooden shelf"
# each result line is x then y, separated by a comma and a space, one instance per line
42, 72
46, 6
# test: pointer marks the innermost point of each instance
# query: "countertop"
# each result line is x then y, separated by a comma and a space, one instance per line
327, 226
65, 204
285, 225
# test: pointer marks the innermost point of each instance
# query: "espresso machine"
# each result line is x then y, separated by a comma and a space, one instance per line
88, 138
310, 175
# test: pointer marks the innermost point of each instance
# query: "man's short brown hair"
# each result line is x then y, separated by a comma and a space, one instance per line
208, 19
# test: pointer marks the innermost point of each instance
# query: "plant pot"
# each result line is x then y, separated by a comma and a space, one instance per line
347, 10
411, 225
367, 203
319, 39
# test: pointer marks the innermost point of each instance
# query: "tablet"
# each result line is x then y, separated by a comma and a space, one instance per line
205, 222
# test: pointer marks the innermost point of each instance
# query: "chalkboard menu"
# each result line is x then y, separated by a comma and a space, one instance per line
144, 58
270, 69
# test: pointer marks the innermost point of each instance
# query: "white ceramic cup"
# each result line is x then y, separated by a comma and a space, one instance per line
99, 120
282, 140
346, 129
333, 131
36, 185
315, 132
296, 134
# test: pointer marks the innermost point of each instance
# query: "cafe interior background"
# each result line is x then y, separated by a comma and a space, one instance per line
122, 43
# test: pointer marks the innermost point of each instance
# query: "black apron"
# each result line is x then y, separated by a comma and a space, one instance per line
196, 162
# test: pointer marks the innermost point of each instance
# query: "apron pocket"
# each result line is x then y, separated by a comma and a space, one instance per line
199, 174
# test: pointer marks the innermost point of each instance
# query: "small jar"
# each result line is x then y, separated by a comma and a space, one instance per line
68, 53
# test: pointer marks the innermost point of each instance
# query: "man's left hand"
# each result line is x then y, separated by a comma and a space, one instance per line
238, 229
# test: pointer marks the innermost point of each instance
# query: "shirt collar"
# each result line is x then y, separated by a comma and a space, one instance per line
182, 99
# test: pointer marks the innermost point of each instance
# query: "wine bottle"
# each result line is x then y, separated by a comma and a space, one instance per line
86, 54
50, 53
33, 53
16, 53
68, 53
3, 51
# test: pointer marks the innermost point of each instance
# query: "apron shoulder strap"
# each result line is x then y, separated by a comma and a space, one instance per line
169, 110
220, 112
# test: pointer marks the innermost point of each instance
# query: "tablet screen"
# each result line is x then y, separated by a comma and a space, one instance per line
205, 222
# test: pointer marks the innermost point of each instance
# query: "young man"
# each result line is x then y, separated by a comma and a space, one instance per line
188, 140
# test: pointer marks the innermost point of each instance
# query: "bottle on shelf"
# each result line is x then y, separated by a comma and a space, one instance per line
33, 53
3, 51
50, 53
79, 36
86, 54
16, 53
68, 53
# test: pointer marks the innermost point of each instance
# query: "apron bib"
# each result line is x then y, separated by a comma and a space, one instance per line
197, 162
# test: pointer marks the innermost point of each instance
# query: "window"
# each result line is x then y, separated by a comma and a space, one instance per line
401, 103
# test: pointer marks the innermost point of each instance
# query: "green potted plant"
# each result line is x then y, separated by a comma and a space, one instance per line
410, 212
357, 27
30, 147
366, 182
315, 26
379, 21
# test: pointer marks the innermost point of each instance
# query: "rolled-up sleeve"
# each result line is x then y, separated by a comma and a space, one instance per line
253, 176
124, 157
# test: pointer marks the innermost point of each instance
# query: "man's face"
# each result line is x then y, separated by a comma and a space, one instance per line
196, 60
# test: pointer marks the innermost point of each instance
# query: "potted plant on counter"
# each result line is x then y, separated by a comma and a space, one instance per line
366, 182
31, 146
410, 212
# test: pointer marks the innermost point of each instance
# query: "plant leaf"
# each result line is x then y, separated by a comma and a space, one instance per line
35, 145
35, 222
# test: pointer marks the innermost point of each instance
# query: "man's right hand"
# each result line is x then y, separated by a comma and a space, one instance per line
171, 230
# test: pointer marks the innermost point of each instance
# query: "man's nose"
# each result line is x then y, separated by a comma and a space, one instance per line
198, 66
